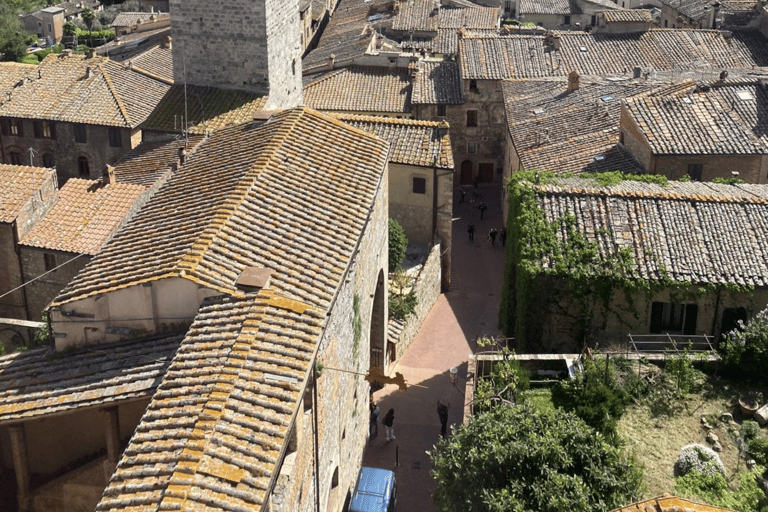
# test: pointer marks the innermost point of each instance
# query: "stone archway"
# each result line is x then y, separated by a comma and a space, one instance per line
378, 330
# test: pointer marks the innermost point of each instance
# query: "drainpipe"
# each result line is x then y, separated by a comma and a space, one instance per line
315, 411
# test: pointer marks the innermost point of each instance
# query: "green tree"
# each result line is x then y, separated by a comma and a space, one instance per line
398, 244
519, 459
13, 38
88, 16
746, 348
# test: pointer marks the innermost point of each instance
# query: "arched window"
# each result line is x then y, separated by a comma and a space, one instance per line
15, 157
83, 168
48, 160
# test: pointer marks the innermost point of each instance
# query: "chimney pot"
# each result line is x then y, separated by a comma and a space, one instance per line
88, 72
182, 155
573, 81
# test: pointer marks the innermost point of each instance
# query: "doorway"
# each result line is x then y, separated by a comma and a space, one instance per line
467, 172
486, 173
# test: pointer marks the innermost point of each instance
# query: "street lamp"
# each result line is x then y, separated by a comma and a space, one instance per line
453, 373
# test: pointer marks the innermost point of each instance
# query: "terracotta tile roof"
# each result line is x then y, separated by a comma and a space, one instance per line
11, 73
211, 437
17, 185
345, 36
208, 108
127, 19
361, 89
488, 57
560, 7
292, 227
668, 503
149, 161
593, 5
438, 82
689, 231
39, 383
416, 15
475, 18
491, 57
411, 142
84, 217
112, 96
558, 131
628, 15
157, 60
705, 123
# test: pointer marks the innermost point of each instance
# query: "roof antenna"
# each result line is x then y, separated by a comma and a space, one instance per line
186, 113
31, 156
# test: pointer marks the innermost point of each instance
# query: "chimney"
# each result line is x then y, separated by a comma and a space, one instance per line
331, 61
109, 175
168, 43
573, 81
182, 155
555, 42
66, 53
88, 72
91, 53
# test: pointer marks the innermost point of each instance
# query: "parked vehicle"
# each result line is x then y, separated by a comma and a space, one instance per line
376, 491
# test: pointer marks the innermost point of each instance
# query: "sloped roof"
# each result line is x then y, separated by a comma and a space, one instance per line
492, 57
85, 216
157, 60
437, 82
211, 437
127, 19
688, 231
560, 7
11, 73
361, 89
669, 503
412, 142
416, 15
38, 383
560, 131
472, 18
292, 228
705, 123
628, 16
17, 185
208, 109
61, 91
149, 161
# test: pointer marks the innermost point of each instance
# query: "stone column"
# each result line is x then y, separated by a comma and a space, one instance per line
20, 465
112, 424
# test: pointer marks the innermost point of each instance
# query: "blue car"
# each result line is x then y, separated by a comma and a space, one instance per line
376, 491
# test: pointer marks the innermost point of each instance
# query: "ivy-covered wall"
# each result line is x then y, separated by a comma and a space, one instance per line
561, 294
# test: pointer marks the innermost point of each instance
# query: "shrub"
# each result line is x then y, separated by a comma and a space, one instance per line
402, 305
398, 244
714, 490
746, 348
750, 429
758, 447
699, 458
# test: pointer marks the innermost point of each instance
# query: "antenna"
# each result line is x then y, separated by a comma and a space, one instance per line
31, 157
186, 113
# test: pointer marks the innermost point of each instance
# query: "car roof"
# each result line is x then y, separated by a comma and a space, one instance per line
373, 490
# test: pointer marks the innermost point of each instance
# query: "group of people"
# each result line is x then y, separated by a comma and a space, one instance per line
389, 420
492, 234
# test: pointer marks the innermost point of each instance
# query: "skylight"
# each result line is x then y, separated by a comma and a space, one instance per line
539, 111
582, 48
599, 157
687, 100
607, 98
745, 95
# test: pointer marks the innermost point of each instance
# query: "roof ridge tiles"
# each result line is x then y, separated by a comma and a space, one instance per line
116, 96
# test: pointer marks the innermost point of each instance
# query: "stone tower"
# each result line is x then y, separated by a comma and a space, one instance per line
248, 45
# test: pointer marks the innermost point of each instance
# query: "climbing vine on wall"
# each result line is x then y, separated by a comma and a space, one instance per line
547, 260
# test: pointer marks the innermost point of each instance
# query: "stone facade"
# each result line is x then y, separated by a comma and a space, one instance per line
60, 150
243, 45
342, 398
42, 291
427, 288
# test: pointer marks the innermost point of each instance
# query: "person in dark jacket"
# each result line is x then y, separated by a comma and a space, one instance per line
442, 413
374, 420
389, 421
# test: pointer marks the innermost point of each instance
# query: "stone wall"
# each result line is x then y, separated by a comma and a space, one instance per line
343, 397
43, 290
427, 287
252, 46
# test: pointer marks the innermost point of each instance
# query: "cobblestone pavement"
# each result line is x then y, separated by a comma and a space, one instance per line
446, 338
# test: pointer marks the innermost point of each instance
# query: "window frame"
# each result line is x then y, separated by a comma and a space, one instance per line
15, 158
115, 137
472, 148
49, 260
442, 110
80, 167
422, 188
44, 129
49, 158
673, 318
472, 118
696, 171
81, 133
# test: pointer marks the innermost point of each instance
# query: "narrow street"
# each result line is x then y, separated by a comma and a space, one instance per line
469, 310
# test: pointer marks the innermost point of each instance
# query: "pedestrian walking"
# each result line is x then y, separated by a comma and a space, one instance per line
482, 209
492, 235
442, 413
374, 420
471, 231
462, 193
503, 237
389, 421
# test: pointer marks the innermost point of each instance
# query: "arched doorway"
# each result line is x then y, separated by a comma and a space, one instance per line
378, 332
467, 174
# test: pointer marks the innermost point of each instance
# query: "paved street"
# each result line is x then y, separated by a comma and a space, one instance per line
446, 338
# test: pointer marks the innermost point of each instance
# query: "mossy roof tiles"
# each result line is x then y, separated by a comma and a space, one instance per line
437, 82
361, 89
694, 232
84, 217
157, 60
62, 90
18, 183
231, 207
149, 161
628, 16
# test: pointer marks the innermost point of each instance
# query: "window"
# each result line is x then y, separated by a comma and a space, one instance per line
471, 148
472, 118
441, 111
83, 168
566, 20
473, 86
419, 185
80, 134
48, 160
44, 130
666, 23
667, 317
50, 261
15, 157
115, 138
16, 127
507, 6
695, 171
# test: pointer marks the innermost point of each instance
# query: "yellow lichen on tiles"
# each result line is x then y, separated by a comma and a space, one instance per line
289, 304
222, 470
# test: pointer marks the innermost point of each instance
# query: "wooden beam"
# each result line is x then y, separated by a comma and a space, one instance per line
22, 323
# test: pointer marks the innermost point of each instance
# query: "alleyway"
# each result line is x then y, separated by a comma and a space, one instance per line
445, 340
